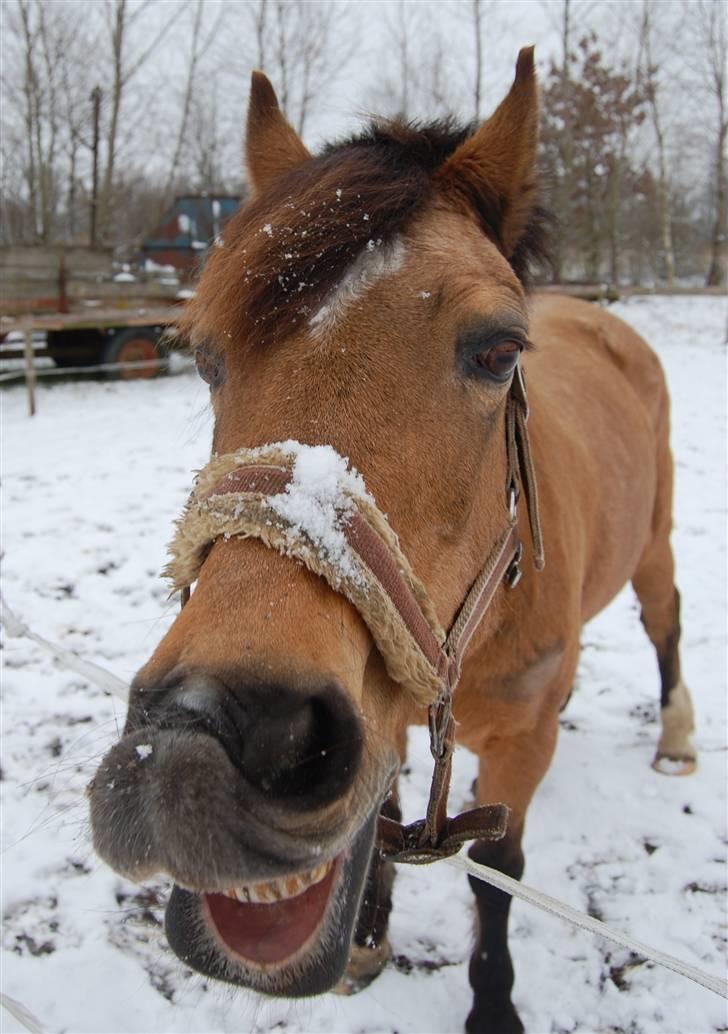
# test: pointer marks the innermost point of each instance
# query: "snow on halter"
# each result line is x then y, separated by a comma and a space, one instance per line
305, 502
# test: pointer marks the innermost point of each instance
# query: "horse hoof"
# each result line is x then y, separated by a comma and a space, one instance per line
365, 964
491, 1021
674, 766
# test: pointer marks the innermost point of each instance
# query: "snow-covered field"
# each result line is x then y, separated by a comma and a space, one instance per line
91, 485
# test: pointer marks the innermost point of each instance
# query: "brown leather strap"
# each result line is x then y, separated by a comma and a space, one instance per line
407, 844
377, 556
262, 478
479, 598
521, 472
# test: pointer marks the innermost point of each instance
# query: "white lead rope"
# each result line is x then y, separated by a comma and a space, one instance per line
105, 680
100, 677
548, 904
23, 1015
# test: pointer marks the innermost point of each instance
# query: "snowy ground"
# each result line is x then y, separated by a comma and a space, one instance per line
91, 486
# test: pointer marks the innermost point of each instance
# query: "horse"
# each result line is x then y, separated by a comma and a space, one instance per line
366, 328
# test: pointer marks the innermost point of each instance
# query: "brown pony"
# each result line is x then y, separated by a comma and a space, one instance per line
373, 299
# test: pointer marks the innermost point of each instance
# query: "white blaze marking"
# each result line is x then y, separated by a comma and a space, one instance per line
376, 261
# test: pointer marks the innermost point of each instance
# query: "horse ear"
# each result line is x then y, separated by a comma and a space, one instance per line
494, 170
272, 146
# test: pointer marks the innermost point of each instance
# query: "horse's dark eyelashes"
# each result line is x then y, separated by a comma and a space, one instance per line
498, 361
489, 346
210, 366
494, 359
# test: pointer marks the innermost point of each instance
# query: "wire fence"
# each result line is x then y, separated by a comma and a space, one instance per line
166, 365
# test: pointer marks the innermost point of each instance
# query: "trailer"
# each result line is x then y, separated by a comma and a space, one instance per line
93, 310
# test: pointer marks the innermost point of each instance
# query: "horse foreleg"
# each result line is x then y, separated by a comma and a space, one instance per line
510, 771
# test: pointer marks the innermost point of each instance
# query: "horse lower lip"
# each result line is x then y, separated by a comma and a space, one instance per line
268, 934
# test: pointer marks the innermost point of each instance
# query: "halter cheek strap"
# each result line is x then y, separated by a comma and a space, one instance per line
239, 494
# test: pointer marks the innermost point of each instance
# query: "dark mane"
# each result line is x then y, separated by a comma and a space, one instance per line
285, 250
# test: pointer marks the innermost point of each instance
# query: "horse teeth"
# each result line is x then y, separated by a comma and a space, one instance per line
278, 890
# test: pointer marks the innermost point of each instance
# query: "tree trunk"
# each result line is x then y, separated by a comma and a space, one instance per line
614, 220
564, 184
663, 183
117, 40
477, 18
260, 23
186, 105
30, 91
718, 270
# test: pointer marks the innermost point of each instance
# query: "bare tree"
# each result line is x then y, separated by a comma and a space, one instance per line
41, 89
712, 59
477, 12
120, 21
404, 64
649, 73
302, 45
564, 186
198, 47
415, 76
31, 94
261, 22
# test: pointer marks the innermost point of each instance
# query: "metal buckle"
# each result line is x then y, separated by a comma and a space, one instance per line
438, 718
514, 573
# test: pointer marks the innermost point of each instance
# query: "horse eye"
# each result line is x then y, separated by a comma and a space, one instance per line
500, 359
209, 366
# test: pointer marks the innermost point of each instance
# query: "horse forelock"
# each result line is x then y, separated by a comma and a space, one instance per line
287, 250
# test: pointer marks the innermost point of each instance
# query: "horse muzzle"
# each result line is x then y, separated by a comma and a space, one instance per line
254, 798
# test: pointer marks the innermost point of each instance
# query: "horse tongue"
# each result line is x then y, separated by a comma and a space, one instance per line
269, 933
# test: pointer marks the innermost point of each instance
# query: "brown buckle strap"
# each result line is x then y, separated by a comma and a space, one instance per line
521, 472
505, 553
405, 843
377, 556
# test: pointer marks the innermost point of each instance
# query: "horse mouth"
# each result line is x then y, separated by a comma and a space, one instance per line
269, 924
287, 937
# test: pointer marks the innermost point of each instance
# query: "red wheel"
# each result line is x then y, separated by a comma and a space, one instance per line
137, 344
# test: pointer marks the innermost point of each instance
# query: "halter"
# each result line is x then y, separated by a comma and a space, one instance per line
239, 494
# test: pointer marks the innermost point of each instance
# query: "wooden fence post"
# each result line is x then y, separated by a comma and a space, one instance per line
29, 368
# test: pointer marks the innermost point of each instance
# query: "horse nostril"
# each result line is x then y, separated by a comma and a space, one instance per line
297, 746
302, 749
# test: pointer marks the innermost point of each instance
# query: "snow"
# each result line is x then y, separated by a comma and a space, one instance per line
318, 501
91, 486
155, 267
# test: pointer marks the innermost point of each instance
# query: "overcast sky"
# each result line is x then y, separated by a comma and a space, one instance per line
519, 23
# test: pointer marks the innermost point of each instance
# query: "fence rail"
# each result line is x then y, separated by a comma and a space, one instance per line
158, 365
